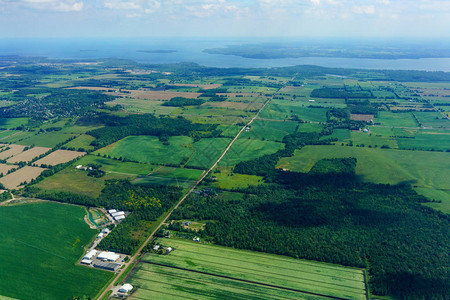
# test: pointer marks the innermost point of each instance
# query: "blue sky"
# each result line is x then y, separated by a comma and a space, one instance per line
231, 18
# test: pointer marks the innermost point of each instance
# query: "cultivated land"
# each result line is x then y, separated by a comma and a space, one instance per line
41, 243
58, 157
104, 108
25, 174
223, 271
148, 149
13, 150
28, 155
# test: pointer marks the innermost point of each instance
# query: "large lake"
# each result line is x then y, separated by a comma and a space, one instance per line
190, 50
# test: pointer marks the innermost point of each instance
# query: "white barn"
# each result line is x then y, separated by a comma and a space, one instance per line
126, 288
109, 256
90, 254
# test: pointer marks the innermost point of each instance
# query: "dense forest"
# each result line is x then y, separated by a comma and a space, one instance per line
327, 215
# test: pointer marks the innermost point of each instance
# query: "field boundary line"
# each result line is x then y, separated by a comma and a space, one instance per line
204, 281
250, 281
312, 282
211, 283
271, 266
241, 260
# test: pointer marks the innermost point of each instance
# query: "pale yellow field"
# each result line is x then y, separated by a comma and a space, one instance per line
5, 168
28, 155
59, 157
13, 180
14, 150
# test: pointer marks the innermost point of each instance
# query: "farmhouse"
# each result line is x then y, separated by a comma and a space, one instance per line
100, 235
126, 288
107, 266
108, 256
90, 254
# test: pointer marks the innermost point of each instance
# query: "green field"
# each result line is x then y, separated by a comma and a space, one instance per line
83, 141
426, 170
77, 181
148, 149
8, 123
204, 271
270, 130
207, 151
50, 139
246, 149
285, 111
387, 118
41, 243
110, 165
226, 179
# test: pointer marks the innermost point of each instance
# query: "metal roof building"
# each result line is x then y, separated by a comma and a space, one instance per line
118, 218
90, 254
107, 266
119, 213
126, 288
109, 256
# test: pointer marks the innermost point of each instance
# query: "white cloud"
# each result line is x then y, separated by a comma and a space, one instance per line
365, 9
48, 5
122, 5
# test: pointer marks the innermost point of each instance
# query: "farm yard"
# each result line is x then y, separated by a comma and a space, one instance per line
41, 243
194, 270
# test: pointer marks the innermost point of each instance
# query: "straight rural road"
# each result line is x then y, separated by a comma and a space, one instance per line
138, 252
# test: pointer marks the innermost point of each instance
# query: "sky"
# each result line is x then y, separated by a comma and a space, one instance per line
224, 18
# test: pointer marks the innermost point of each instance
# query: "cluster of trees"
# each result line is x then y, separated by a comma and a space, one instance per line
117, 128
181, 101
332, 217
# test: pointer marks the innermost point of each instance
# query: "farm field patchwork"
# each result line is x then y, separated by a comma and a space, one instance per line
41, 242
221, 272
10, 150
4, 168
25, 174
28, 155
59, 157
